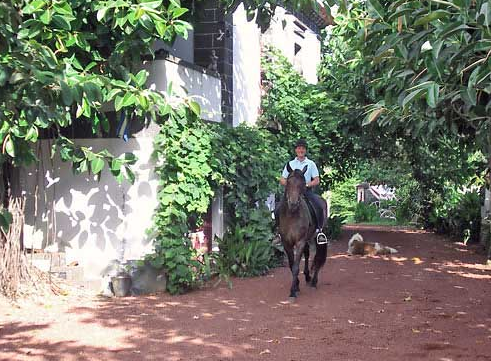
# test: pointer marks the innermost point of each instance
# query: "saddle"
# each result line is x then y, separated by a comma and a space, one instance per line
315, 211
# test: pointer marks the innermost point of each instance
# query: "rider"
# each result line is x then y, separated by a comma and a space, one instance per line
312, 180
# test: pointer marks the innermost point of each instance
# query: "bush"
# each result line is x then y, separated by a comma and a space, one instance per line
333, 227
247, 250
365, 212
343, 199
459, 214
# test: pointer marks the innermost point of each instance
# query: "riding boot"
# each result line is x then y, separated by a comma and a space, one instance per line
320, 236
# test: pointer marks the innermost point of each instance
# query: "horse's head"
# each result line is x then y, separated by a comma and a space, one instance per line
295, 187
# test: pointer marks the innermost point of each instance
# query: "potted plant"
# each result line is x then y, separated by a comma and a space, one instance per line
121, 283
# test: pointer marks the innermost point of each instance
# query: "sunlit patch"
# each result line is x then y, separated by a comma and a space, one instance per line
471, 275
337, 256
224, 350
398, 259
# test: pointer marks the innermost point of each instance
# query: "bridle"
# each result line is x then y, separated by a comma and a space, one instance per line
293, 205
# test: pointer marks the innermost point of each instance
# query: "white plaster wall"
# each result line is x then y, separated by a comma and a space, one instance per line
247, 69
281, 35
204, 88
182, 48
248, 42
311, 56
97, 222
93, 222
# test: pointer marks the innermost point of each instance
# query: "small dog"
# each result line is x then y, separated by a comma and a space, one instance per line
357, 245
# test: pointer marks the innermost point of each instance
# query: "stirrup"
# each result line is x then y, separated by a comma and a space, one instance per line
321, 238
277, 239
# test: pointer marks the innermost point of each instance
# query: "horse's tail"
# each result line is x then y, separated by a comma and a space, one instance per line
320, 255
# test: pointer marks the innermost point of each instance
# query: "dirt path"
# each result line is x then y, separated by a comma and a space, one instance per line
431, 302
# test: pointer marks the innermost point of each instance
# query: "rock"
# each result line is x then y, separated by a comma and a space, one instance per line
146, 279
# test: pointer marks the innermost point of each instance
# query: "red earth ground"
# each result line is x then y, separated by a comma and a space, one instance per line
431, 301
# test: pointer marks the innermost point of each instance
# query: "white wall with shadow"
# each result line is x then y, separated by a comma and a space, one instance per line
247, 69
93, 222
188, 80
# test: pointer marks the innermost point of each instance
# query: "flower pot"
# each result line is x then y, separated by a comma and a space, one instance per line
121, 285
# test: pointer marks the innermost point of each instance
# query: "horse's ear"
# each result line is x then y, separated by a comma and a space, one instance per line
288, 168
304, 169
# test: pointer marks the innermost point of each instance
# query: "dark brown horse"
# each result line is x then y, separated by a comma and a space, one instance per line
297, 227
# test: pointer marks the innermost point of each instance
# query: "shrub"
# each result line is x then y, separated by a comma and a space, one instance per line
343, 199
365, 212
334, 224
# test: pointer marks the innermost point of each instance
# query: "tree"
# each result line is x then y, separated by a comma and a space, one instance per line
426, 78
66, 61
62, 62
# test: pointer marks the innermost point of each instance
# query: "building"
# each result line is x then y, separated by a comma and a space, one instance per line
95, 222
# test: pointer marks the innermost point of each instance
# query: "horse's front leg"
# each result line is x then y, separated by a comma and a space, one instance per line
306, 272
296, 269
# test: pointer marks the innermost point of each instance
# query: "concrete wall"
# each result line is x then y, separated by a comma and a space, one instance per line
97, 222
93, 222
186, 79
286, 31
247, 44
247, 69
182, 48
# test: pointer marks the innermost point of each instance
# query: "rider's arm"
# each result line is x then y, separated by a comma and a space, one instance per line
284, 175
313, 183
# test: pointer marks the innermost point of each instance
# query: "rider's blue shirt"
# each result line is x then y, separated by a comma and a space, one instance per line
311, 172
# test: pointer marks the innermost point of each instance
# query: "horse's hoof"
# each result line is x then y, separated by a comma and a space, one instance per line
292, 299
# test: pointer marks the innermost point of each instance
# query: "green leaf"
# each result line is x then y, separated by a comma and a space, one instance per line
377, 8
179, 12
46, 17
129, 174
66, 93
435, 15
32, 134
101, 13
161, 28
453, 29
61, 22
93, 92
96, 165
5, 219
33, 6
432, 95
116, 164
9, 146
4, 75
129, 99
152, 4
141, 77
118, 102
411, 96
194, 106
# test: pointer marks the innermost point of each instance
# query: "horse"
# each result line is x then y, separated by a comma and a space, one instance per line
297, 227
